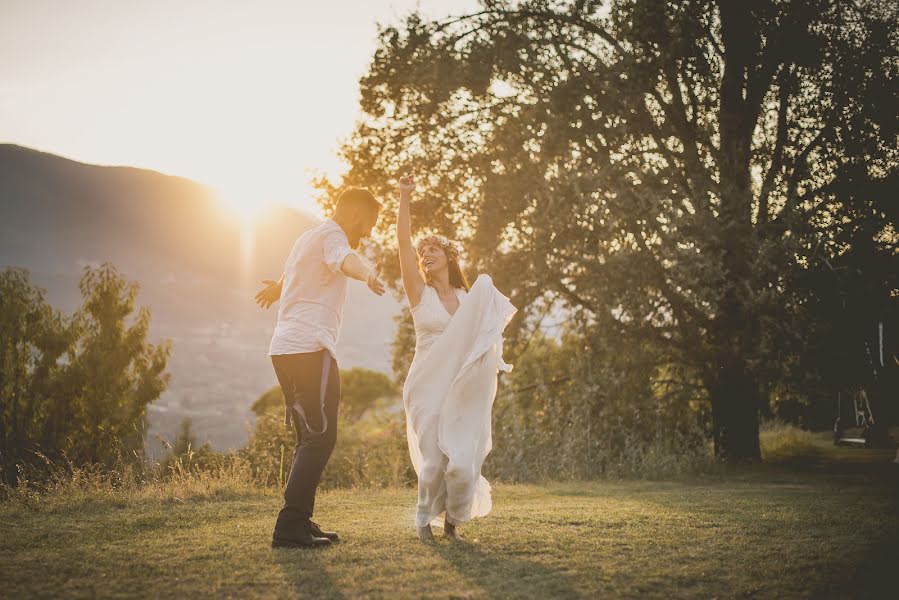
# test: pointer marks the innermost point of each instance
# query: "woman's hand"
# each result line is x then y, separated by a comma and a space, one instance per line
406, 187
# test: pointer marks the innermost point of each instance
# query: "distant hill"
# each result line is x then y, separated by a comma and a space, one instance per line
171, 235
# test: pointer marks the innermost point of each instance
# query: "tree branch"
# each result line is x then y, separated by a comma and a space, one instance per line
781, 138
792, 198
575, 298
686, 132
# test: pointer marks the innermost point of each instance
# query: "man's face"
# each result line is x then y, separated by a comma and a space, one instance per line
362, 227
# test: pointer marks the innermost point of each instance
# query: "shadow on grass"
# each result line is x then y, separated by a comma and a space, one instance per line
504, 577
875, 575
873, 578
839, 468
307, 571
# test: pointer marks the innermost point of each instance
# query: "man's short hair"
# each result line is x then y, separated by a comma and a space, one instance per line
354, 199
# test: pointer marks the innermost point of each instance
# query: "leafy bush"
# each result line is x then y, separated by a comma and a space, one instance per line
561, 414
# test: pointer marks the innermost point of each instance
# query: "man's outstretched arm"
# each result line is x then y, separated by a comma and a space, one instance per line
270, 293
355, 267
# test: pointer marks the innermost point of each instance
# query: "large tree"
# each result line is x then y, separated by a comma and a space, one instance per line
659, 167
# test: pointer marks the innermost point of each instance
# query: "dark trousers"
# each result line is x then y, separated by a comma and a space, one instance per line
311, 384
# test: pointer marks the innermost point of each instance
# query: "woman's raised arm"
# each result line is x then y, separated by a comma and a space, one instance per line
412, 281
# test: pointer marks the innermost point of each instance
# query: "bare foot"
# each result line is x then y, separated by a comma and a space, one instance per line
450, 532
425, 534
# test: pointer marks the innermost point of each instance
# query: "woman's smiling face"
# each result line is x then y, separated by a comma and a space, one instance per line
432, 258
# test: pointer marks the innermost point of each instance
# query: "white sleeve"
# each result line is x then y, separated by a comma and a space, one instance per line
335, 248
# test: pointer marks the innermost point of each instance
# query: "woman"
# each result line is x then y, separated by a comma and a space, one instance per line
449, 391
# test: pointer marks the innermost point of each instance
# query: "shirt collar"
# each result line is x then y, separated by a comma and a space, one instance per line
332, 224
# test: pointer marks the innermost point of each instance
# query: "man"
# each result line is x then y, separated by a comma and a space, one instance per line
303, 351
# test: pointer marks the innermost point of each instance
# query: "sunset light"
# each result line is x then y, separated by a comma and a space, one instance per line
243, 208
253, 102
676, 220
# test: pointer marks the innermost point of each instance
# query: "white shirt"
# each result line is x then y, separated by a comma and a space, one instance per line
313, 293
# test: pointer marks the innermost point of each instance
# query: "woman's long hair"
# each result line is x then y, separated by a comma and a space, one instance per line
456, 276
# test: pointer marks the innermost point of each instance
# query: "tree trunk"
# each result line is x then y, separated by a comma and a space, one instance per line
734, 397
733, 388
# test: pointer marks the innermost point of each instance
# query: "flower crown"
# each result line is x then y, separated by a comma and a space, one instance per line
452, 248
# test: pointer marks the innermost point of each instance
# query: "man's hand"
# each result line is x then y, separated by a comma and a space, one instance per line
269, 294
406, 187
374, 280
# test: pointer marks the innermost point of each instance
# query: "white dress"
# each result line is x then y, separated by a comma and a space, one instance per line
448, 397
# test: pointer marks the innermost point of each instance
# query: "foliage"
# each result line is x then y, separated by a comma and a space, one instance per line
403, 347
668, 171
363, 390
360, 390
568, 411
186, 456
76, 387
268, 401
836, 307
34, 338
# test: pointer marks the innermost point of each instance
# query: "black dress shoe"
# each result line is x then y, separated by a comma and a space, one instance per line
317, 532
299, 537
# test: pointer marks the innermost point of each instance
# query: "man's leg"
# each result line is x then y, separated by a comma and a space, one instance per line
311, 385
330, 401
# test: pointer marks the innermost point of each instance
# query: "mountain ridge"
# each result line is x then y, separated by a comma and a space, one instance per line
172, 235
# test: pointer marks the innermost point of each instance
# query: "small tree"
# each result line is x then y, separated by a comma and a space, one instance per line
360, 390
77, 386
364, 389
34, 341
115, 373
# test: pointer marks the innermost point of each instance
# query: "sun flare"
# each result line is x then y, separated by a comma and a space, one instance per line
247, 209
249, 203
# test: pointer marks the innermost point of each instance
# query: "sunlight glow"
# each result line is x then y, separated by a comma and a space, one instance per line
246, 209
252, 100
247, 252
248, 199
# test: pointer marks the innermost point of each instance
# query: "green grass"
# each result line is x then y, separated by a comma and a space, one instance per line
826, 528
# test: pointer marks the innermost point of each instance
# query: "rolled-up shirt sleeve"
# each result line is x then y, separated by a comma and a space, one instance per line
335, 248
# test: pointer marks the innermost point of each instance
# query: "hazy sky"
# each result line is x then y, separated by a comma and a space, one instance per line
245, 96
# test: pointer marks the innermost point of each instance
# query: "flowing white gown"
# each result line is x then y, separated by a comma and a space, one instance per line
448, 396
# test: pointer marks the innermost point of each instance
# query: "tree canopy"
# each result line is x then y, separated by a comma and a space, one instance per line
669, 172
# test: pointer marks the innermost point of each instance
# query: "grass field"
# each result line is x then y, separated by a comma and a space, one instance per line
827, 526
